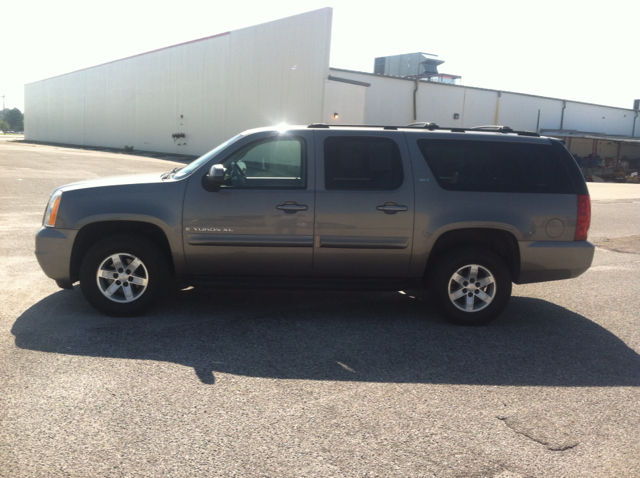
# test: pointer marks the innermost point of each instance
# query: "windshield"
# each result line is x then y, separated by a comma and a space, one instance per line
196, 163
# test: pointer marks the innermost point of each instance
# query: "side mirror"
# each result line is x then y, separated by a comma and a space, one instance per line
214, 179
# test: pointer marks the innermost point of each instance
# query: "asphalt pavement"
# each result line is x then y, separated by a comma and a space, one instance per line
249, 383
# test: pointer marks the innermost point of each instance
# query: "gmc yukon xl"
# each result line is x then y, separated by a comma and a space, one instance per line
462, 212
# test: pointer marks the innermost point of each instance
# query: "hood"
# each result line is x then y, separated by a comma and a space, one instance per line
114, 181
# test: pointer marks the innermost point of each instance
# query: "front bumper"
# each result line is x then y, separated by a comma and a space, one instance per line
53, 251
542, 261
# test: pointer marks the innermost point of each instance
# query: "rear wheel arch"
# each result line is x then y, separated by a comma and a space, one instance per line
501, 242
94, 232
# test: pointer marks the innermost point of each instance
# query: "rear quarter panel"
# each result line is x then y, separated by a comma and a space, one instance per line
528, 217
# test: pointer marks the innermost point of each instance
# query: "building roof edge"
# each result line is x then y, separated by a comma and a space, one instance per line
133, 56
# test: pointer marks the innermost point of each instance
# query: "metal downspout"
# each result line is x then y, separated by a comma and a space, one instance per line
497, 116
564, 105
415, 103
633, 130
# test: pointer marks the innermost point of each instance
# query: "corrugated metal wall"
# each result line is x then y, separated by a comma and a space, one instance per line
390, 101
387, 101
208, 90
345, 100
213, 88
601, 119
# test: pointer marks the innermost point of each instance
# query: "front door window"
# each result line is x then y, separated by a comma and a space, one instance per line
268, 164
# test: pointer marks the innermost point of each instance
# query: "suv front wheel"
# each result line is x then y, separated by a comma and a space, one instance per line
123, 275
471, 286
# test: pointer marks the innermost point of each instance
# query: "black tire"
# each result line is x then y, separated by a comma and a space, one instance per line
453, 283
119, 291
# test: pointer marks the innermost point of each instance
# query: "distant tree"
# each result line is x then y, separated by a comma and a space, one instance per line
15, 118
4, 126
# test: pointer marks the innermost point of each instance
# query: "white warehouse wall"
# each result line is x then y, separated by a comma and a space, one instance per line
600, 119
521, 112
345, 99
212, 88
438, 105
208, 89
389, 100
478, 108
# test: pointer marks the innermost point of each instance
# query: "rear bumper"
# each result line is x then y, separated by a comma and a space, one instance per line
53, 251
542, 261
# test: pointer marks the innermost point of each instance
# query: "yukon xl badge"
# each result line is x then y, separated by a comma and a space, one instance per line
210, 229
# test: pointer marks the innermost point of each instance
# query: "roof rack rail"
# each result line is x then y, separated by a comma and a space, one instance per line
325, 125
431, 127
504, 129
494, 127
425, 125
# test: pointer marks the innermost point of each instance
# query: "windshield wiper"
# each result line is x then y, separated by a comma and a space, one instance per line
170, 173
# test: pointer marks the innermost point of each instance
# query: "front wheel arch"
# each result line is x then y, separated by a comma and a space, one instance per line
94, 232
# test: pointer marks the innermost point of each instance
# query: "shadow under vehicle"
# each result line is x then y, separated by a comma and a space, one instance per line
343, 336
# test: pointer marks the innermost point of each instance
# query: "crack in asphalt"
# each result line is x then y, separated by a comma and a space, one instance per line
542, 430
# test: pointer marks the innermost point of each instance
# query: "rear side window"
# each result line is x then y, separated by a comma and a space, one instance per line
362, 163
493, 166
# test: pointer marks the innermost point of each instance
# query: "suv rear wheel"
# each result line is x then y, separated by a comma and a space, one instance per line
471, 286
123, 275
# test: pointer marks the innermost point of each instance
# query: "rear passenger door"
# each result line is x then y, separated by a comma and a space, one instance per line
364, 205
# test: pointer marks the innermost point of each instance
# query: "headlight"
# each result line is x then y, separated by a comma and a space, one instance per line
51, 213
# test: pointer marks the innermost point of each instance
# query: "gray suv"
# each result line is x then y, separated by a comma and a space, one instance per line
462, 212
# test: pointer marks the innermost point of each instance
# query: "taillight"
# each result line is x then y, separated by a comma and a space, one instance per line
584, 218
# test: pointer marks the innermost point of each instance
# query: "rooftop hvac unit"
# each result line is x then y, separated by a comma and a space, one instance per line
409, 64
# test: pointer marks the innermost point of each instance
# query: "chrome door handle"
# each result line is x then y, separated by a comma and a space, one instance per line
291, 208
392, 208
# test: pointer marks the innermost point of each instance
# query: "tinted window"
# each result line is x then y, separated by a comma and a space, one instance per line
362, 163
195, 164
271, 163
492, 166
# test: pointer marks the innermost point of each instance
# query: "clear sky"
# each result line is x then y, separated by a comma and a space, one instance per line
579, 50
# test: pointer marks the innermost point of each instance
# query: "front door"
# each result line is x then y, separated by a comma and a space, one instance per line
260, 223
364, 205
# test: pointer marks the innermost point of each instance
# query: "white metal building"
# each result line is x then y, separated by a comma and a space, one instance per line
588, 129
188, 98
207, 90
